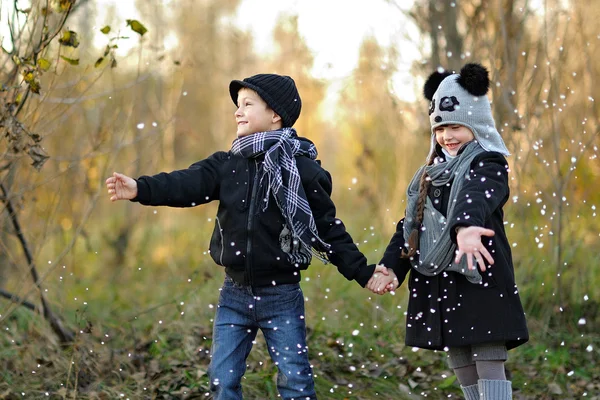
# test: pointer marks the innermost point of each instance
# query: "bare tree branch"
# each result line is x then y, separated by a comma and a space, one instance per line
65, 335
16, 299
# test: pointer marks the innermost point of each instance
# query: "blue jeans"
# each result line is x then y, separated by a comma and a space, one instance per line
278, 311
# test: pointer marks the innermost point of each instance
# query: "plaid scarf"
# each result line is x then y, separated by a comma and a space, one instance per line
283, 182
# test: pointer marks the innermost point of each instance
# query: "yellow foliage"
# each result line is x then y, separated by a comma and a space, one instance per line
66, 223
160, 254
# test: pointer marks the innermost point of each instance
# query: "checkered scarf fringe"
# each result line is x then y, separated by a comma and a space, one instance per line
284, 183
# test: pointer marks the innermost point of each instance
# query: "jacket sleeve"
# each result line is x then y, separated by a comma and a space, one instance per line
343, 253
189, 187
482, 194
391, 258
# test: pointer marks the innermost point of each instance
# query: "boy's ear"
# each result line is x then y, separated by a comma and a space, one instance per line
276, 118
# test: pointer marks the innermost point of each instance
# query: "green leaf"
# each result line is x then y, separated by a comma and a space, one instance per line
446, 383
72, 61
61, 6
105, 30
44, 64
98, 62
69, 38
28, 75
137, 26
35, 86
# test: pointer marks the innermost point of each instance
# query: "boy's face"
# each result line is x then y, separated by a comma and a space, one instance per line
452, 137
253, 115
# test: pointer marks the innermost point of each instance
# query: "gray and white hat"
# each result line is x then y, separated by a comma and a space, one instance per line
462, 99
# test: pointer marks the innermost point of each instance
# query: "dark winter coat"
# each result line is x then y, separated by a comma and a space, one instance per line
447, 310
246, 240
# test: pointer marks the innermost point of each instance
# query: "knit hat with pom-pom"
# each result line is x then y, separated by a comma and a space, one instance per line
461, 99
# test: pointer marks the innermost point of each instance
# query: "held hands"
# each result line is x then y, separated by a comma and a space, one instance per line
121, 187
468, 240
383, 280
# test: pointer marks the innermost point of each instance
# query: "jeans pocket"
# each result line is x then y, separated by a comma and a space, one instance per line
288, 289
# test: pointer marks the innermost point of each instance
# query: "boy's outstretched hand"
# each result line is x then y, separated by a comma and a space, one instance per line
468, 241
121, 187
383, 280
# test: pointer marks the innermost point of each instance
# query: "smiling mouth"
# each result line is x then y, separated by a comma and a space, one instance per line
452, 145
242, 122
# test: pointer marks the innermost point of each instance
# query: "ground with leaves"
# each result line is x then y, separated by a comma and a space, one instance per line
161, 350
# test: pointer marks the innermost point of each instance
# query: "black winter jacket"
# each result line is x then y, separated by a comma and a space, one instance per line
246, 240
447, 310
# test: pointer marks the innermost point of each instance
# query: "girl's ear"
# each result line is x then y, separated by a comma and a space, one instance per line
433, 82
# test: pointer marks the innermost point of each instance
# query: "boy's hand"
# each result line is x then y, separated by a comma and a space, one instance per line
383, 280
468, 240
121, 187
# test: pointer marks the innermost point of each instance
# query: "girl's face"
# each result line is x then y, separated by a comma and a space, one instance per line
253, 115
452, 137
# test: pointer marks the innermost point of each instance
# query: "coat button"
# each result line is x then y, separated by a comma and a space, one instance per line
437, 192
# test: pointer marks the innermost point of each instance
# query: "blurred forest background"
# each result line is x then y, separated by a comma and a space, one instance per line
102, 301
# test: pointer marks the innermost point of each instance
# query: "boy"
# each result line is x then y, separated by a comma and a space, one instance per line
274, 213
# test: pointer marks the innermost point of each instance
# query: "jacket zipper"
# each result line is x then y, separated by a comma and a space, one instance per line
222, 240
249, 226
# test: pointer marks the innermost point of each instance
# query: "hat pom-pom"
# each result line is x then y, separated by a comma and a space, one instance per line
433, 82
474, 78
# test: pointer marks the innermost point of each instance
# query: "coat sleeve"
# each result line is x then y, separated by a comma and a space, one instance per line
198, 184
343, 253
391, 257
482, 194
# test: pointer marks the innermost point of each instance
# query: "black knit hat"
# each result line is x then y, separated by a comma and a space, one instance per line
278, 91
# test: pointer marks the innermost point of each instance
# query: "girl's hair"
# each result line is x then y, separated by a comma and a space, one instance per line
413, 238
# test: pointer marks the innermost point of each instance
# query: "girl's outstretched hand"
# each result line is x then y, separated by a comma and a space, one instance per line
121, 187
383, 280
468, 240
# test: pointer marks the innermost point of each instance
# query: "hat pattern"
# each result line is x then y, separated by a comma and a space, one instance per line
462, 99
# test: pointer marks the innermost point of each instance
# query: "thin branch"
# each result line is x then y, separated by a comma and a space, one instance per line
64, 335
42, 45
16, 299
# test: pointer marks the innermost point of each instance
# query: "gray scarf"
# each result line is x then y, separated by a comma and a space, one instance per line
436, 250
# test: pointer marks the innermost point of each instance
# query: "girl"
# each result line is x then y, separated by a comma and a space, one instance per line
454, 209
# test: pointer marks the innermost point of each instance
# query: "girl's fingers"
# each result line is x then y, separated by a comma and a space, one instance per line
469, 260
487, 255
480, 262
459, 254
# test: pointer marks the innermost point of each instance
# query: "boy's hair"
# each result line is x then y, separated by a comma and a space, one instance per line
278, 91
